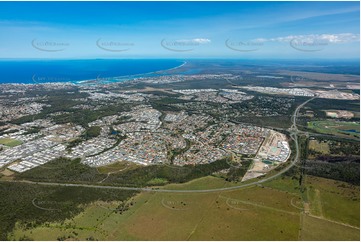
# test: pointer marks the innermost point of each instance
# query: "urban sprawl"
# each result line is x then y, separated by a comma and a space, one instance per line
144, 135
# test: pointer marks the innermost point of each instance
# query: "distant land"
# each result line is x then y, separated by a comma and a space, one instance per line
76, 71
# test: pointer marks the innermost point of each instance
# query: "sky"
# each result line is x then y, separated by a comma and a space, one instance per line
81, 30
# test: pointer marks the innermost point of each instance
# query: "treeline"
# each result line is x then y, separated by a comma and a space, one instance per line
84, 116
64, 102
17, 203
62, 170
92, 132
236, 173
344, 148
59, 101
342, 163
66, 170
342, 171
320, 104
163, 104
89, 133
173, 174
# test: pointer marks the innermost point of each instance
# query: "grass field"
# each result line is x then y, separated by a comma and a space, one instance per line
30, 206
82, 226
270, 212
317, 146
233, 215
334, 200
284, 184
315, 228
10, 142
343, 129
207, 182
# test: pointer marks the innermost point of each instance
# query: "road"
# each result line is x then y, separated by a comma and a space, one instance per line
294, 135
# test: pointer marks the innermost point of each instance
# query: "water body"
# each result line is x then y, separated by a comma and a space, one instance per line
44, 71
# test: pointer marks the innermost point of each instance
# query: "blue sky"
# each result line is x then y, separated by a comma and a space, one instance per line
179, 30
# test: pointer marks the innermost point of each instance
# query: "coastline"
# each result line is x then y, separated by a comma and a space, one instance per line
128, 76
184, 62
98, 79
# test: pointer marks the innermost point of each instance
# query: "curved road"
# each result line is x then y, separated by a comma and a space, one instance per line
293, 134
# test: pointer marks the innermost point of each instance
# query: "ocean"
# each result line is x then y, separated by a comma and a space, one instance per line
75, 71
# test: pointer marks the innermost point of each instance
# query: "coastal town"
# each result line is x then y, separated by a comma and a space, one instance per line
145, 140
180, 120
194, 133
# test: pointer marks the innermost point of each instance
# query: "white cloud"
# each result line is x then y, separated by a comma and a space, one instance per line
195, 41
311, 38
202, 41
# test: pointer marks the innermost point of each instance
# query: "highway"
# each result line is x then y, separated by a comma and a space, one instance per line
294, 136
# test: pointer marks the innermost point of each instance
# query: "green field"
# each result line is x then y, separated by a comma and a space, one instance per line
334, 211
321, 147
334, 200
32, 206
314, 228
10, 142
343, 129
285, 184
207, 182
274, 211
237, 215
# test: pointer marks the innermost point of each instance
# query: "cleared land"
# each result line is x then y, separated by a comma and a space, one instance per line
317, 146
314, 228
10, 142
334, 200
229, 216
339, 114
320, 76
274, 211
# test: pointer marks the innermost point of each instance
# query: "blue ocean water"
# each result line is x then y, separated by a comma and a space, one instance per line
43, 71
